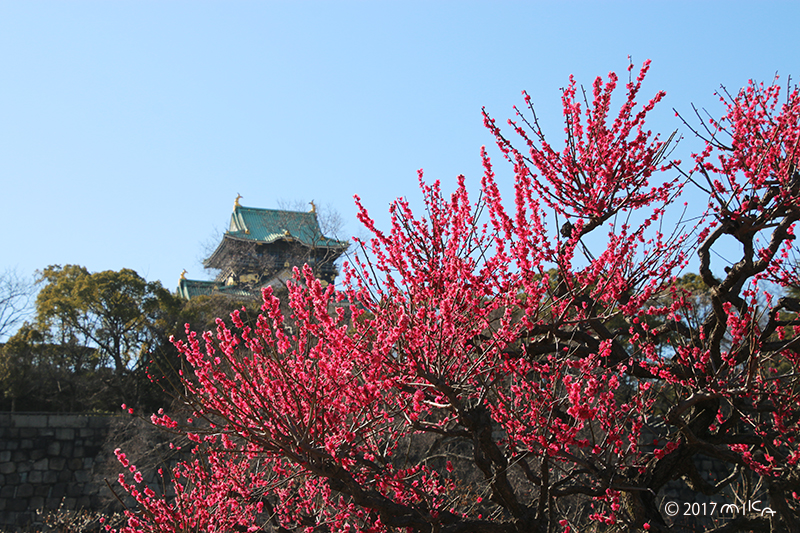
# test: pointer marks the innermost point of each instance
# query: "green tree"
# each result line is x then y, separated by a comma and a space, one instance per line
17, 366
90, 344
112, 311
36, 375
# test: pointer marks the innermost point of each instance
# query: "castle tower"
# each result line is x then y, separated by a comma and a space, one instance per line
261, 248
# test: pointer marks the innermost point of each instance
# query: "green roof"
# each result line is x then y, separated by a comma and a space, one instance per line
192, 288
270, 225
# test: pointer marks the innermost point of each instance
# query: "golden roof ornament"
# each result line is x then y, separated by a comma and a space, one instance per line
183, 274
236, 202
313, 206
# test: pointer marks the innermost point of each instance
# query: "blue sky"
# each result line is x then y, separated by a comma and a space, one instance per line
128, 128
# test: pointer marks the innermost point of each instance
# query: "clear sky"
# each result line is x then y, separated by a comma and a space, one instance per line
128, 128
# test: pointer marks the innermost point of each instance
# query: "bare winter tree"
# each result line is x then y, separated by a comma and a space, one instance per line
331, 223
15, 301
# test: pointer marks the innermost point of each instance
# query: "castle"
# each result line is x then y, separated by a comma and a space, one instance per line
261, 248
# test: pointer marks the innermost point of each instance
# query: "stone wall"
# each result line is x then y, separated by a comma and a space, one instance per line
49, 461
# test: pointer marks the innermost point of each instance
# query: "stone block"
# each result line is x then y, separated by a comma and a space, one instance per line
75, 490
37, 502
79, 451
57, 463
65, 434
19, 456
41, 464
68, 421
28, 433
37, 454
51, 504
18, 504
24, 491
12, 445
88, 463
26, 466
47, 432
66, 449
26, 444
49, 477
7, 492
59, 490
65, 476
82, 476
30, 421
75, 463
70, 504
92, 450
12, 479
5, 456
42, 491
86, 433
23, 477
54, 448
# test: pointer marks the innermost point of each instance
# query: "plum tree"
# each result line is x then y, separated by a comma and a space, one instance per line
482, 372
